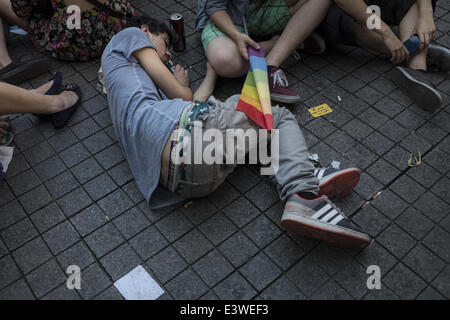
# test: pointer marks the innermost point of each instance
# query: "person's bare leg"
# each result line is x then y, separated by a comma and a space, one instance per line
407, 29
8, 13
225, 59
206, 88
18, 100
306, 17
369, 39
5, 59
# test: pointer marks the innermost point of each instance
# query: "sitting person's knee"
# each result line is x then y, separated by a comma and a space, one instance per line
226, 61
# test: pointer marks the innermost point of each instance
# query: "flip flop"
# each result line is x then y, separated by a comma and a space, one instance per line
53, 90
60, 118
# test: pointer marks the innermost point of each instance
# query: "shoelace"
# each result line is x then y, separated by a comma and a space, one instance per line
279, 79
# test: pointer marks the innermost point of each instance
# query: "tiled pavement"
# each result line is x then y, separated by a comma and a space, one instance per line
70, 197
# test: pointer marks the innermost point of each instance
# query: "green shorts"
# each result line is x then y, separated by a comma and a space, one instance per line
264, 17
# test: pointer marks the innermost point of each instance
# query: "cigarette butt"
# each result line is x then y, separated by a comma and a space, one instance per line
339, 98
376, 196
187, 204
365, 204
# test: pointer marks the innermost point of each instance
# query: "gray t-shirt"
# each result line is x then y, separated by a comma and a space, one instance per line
143, 117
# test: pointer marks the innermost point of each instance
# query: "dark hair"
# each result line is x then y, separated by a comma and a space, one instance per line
156, 27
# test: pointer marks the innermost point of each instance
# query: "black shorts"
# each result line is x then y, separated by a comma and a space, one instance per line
337, 28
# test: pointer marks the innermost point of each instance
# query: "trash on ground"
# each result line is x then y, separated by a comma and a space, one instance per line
321, 110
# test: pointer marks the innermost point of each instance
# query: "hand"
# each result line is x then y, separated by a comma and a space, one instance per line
425, 30
398, 50
243, 41
181, 76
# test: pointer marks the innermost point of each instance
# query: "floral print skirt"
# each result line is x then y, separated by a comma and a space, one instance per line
51, 35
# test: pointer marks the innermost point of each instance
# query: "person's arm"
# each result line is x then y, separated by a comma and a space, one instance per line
173, 85
358, 10
425, 27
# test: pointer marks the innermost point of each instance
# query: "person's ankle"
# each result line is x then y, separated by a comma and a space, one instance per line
4, 62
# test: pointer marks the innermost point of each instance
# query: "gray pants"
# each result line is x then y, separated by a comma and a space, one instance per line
295, 172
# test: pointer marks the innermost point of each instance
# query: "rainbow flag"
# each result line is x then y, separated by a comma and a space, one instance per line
255, 96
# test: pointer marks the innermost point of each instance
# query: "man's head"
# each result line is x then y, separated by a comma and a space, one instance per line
160, 34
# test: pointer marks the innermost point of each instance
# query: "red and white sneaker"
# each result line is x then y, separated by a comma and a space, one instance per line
337, 183
279, 87
321, 219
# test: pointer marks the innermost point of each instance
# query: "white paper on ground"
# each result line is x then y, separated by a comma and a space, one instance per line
6, 154
138, 285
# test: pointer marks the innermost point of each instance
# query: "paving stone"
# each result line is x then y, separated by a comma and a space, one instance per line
423, 262
397, 241
186, 286
424, 174
441, 189
331, 291
341, 141
438, 160
403, 282
198, 211
100, 186
49, 168
378, 143
238, 249
383, 85
62, 293
268, 271
262, 231
85, 128
45, 278
35, 199
409, 120
369, 95
19, 290
104, 240
307, 276
389, 107
217, 228
432, 133
192, 246
407, 188
375, 254
61, 185
413, 221
120, 261
371, 220
442, 283
383, 171
18, 164
97, 142
235, 287
121, 173
213, 267
368, 186
74, 155
438, 241
430, 294
86, 170
131, 222
24, 182
166, 264
224, 195
3, 249
19, 233
174, 225
94, 280
31, 255
74, 202
110, 293
10, 214
433, 207
361, 157
9, 273
148, 242
110, 157
390, 204
284, 252
383, 294
357, 129
393, 131
89, 219
78, 254
61, 237
241, 211
320, 127
281, 289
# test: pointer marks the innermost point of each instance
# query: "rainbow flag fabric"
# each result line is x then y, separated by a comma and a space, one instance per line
255, 95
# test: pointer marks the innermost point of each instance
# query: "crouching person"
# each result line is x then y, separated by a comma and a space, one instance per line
152, 109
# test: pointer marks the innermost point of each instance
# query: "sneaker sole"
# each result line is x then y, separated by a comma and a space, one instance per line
284, 99
305, 226
340, 184
421, 93
441, 56
27, 71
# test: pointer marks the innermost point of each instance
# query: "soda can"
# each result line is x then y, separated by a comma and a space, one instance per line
177, 23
